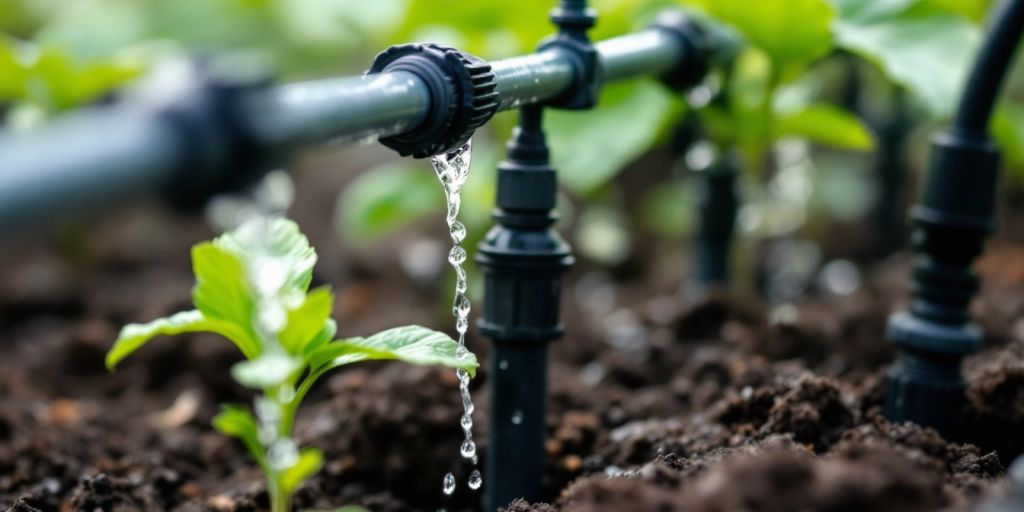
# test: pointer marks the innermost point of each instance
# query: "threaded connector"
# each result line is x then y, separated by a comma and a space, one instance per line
462, 90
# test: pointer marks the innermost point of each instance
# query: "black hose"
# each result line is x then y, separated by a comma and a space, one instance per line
990, 68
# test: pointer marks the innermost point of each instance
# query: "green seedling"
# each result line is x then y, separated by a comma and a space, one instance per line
252, 287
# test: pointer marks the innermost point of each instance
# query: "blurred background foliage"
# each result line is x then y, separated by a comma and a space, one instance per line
801, 103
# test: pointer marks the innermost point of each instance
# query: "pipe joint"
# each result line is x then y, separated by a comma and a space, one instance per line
462, 90
197, 99
698, 49
573, 19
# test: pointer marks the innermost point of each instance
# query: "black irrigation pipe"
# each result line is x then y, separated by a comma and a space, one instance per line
955, 214
196, 131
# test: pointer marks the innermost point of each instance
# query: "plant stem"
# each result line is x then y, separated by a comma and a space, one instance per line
767, 119
290, 409
279, 501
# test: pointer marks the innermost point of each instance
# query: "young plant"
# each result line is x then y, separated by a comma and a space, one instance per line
252, 287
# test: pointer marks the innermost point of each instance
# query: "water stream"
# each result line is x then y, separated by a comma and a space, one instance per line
452, 169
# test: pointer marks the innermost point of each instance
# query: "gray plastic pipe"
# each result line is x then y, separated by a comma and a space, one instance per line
106, 154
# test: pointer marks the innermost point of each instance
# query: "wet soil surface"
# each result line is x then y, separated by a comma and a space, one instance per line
657, 403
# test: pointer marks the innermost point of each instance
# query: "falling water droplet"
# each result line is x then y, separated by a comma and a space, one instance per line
458, 232
457, 256
452, 169
475, 480
449, 484
517, 417
468, 449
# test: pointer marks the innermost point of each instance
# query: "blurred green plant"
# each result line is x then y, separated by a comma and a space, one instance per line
56, 55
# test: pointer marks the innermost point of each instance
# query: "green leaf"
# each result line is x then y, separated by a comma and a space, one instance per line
385, 199
1008, 131
11, 71
271, 246
134, 336
236, 421
669, 209
55, 83
791, 32
410, 344
221, 291
828, 125
310, 461
918, 45
590, 147
326, 334
307, 321
974, 10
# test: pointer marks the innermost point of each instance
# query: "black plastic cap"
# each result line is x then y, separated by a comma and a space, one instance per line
573, 19
697, 53
927, 391
960, 188
222, 154
462, 90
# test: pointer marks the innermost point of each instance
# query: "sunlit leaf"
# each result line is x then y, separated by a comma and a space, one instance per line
276, 242
307, 320
134, 336
668, 209
386, 198
236, 421
1008, 130
310, 461
410, 344
589, 148
918, 45
221, 291
791, 32
827, 125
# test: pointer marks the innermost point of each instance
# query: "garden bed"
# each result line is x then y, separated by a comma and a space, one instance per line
710, 405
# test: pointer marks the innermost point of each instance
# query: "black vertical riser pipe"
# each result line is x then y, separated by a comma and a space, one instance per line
523, 260
955, 214
718, 203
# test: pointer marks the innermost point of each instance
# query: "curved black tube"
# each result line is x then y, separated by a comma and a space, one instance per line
952, 219
990, 68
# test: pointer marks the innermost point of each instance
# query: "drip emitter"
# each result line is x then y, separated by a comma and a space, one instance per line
955, 214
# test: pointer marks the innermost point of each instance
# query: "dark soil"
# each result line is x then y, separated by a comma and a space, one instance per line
657, 404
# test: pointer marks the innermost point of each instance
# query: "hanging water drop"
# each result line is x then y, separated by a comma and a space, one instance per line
449, 484
466, 422
458, 232
468, 449
457, 256
475, 480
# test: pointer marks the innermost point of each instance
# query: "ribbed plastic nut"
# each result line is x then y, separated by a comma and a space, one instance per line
698, 48
463, 94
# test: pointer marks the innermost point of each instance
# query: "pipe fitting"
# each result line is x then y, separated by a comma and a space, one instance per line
197, 99
697, 44
573, 19
462, 91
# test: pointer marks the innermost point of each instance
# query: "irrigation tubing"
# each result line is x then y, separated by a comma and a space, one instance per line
990, 68
107, 154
